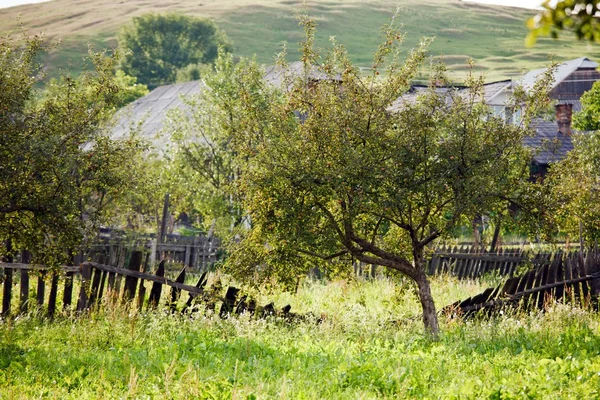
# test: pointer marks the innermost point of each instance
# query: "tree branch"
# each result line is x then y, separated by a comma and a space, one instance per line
322, 256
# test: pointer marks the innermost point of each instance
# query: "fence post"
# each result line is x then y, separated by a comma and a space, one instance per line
41, 289
24, 300
163, 222
8, 275
86, 274
153, 253
53, 293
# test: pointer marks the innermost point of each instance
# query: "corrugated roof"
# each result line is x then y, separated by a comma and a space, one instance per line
150, 111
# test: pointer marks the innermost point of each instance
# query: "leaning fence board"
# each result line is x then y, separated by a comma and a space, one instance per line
41, 288
68, 291
148, 277
176, 292
86, 274
53, 294
156, 290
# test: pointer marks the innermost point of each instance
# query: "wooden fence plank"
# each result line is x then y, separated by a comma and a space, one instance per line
229, 302
95, 287
41, 289
68, 290
175, 291
135, 264
156, 290
7, 292
86, 274
53, 294
24, 299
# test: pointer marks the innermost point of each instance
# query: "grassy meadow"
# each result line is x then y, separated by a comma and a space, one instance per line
368, 345
492, 35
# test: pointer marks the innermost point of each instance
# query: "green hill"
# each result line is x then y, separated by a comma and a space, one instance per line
493, 36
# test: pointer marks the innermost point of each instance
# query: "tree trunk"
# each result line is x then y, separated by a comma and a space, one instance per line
494, 244
430, 319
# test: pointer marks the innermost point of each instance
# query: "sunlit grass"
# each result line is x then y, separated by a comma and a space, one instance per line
369, 344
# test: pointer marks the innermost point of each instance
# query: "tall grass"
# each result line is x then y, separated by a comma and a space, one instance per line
369, 344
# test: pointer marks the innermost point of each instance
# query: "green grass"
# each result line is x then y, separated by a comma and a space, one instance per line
493, 36
354, 353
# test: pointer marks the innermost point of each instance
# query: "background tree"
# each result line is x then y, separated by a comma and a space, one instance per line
193, 72
205, 154
579, 16
161, 44
588, 119
129, 90
354, 179
574, 185
59, 167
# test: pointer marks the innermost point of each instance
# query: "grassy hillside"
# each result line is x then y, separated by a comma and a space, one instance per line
491, 35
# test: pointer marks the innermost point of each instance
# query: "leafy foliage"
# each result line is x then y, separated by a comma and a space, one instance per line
574, 184
579, 16
205, 155
161, 44
60, 169
588, 119
130, 90
193, 72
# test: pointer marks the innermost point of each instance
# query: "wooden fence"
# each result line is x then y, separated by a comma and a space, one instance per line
98, 282
573, 278
197, 252
470, 263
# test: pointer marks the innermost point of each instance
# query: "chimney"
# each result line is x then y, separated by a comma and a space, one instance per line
563, 118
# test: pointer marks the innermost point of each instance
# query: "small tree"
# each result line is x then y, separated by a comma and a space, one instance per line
331, 171
162, 44
59, 168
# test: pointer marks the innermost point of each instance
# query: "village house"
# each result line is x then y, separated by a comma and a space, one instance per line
552, 140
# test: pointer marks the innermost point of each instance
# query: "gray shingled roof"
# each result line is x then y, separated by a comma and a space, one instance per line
549, 144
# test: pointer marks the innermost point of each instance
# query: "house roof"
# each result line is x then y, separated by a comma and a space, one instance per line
563, 70
151, 110
277, 76
549, 144
410, 97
